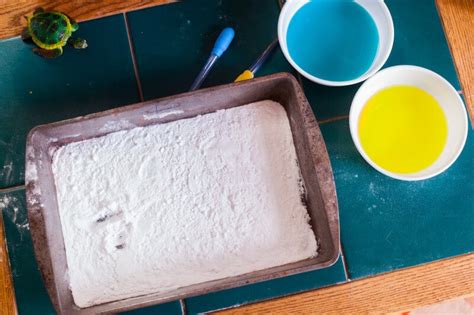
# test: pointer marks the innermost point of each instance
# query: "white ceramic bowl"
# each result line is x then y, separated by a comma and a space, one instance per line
382, 18
444, 93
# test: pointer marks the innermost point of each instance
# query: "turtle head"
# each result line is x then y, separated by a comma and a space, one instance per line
74, 25
79, 43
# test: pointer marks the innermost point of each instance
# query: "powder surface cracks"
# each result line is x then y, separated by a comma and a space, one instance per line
161, 207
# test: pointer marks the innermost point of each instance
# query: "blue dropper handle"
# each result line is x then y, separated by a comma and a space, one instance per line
223, 41
220, 46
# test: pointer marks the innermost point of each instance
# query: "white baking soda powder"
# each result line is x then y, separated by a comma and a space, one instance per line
161, 207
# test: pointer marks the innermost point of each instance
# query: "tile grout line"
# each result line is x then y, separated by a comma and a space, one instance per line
134, 60
184, 310
344, 263
11, 188
329, 120
342, 117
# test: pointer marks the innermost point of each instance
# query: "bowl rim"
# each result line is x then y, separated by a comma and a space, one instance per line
354, 114
369, 73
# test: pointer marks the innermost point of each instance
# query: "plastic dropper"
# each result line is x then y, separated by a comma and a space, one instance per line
220, 46
250, 72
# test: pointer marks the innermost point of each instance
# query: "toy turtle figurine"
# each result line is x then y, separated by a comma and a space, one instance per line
51, 31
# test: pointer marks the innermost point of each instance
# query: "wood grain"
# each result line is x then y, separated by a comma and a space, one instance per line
393, 292
7, 296
12, 12
458, 21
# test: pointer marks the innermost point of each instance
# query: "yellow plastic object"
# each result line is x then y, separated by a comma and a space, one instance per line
246, 75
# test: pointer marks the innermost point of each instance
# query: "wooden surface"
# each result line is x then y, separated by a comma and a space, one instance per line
458, 21
397, 291
12, 12
7, 298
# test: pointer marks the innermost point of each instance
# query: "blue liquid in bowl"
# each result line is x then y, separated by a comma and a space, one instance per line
334, 40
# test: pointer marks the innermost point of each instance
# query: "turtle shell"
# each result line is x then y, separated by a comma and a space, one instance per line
50, 30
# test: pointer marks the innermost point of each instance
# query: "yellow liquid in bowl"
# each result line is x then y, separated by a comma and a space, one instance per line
403, 129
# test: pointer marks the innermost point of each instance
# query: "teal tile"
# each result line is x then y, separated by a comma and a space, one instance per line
30, 293
327, 101
172, 308
37, 91
419, 40
172, 42
388, 224
267, 290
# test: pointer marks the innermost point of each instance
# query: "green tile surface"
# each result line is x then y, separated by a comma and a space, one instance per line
328, 102
419, 40
385, 224
268, 289
173, 42
30, 293
37, 91
388, 224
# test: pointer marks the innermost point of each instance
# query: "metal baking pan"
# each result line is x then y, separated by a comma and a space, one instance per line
312, 156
